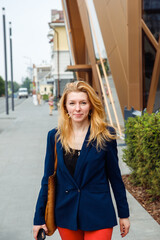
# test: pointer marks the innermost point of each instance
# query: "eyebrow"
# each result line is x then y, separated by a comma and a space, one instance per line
84, 100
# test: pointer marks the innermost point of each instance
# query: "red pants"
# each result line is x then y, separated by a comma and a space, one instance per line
103, 234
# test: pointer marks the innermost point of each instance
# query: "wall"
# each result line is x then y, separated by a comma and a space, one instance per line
122, 45
63, 43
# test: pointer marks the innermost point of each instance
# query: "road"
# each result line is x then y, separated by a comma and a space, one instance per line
17, 101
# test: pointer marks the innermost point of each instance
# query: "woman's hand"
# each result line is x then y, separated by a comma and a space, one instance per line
36, 229
124, 226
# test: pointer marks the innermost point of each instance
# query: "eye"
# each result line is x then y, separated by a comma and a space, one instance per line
71, 103
83, 103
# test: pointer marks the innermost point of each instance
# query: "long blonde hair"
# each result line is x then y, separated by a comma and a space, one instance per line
98, 123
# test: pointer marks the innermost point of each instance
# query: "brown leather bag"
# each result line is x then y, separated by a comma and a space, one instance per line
50, 207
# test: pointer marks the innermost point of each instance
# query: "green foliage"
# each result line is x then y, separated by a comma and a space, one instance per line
27, 84
2, 86
51, 90
45, 97
143, 151
106, 66
15, 85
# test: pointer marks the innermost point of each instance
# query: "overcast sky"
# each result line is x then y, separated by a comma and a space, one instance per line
30, 27
30, 20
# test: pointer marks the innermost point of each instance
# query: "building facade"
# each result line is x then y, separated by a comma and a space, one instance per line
131, 35
60, 54
42, 80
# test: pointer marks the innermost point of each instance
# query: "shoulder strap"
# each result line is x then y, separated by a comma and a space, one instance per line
55, 156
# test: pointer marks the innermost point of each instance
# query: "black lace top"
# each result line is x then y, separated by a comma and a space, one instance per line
70, 160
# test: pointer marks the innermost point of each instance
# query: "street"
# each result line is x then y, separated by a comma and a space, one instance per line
17, 101
23, 136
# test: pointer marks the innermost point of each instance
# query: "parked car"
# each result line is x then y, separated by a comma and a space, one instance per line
23, 92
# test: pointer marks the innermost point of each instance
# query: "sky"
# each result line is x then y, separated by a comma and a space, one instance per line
30, 27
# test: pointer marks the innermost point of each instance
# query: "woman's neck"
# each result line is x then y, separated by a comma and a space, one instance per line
79, 131
80, 127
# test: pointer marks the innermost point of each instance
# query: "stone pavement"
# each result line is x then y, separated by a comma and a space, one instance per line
22, 149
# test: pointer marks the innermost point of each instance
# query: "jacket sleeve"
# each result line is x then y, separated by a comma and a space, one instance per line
39, 217
114, 175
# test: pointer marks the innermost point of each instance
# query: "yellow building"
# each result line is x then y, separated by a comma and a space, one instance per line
60, 54
45, 89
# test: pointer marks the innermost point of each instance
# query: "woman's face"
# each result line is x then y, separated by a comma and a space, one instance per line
78, 106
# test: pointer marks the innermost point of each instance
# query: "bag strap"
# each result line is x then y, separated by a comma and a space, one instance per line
55, 156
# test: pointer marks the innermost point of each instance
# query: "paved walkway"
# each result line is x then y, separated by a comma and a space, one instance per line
22, 149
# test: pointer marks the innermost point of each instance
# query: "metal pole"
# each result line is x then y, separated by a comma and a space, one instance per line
11, 60
58, 65
5, 60
58, 62
104, 95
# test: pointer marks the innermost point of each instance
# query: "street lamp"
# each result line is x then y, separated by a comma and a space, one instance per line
5, 61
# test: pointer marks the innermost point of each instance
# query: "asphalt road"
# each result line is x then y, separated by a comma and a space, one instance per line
17, 101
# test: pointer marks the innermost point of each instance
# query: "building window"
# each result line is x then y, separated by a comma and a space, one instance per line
151, 16
45, 89
149, 54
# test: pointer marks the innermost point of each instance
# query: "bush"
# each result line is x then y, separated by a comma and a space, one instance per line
143, 151
2, 86
45, 97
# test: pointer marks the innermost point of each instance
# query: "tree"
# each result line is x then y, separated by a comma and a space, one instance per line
27, 84
2, 86
15, 85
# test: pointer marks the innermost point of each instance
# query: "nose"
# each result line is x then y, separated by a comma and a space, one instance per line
77, 107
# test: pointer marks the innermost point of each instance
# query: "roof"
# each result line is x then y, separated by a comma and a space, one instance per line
57, 16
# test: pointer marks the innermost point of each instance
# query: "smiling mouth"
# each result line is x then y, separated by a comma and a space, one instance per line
77, 115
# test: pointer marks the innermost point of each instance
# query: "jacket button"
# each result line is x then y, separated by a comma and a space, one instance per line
78, 190
67, 191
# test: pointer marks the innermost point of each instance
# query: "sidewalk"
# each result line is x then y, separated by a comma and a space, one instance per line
22, 149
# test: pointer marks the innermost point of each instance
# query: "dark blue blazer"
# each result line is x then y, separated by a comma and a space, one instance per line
84, 202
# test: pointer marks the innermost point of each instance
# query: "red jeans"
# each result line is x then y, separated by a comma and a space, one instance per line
102, 234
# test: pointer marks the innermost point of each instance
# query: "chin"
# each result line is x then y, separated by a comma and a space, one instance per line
79, 119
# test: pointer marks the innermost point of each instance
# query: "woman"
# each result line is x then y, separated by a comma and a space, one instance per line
87, 162
39, 98
50, 102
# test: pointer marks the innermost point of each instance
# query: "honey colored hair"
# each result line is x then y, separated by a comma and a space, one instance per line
97, 118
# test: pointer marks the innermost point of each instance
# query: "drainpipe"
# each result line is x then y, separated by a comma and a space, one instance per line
58, 62
58, 74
